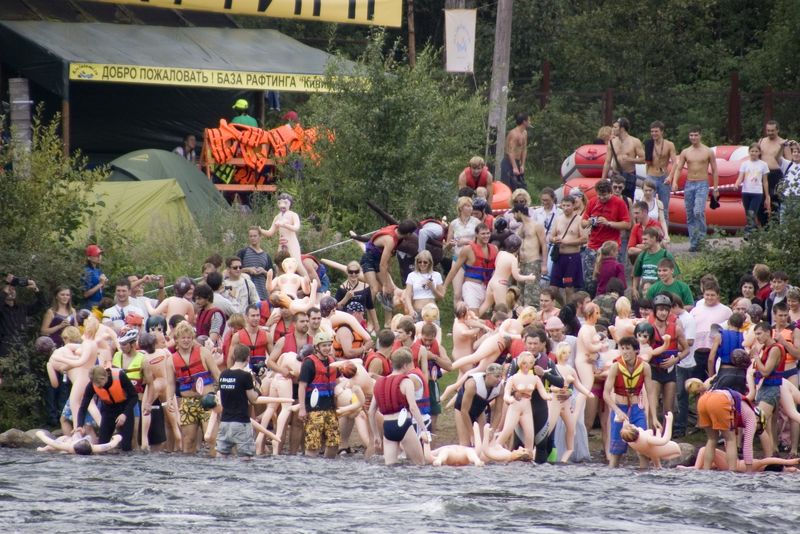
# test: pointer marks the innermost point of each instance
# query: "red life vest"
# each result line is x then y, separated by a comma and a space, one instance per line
433, 369
258, 347
324, 380
658, 340
517, 347
390, 230
483, 268
480, 181
398, 345
338, 351
187, 374
629, 382
280, 330
203, 325
265, 310
386, 365
775, 378
290, 342
113, 394
387, 394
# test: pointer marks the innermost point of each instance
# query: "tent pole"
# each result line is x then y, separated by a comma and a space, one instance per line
260, 107
65, 120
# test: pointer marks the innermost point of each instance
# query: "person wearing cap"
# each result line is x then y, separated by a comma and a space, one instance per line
290, 117
315, 393
241, 106
346, 342
118, 397
664, 375
480, 392
93, 280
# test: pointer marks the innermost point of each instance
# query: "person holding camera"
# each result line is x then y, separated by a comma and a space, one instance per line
607, 216
14, 315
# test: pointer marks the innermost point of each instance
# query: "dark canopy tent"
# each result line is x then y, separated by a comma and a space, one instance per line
135, 86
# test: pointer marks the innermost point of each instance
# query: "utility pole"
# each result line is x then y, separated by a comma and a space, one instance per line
412, 36
498, 95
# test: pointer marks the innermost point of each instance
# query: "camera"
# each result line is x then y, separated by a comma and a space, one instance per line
19, 281
519, 208
593, 221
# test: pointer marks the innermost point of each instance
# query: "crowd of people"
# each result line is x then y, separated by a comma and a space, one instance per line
566, 315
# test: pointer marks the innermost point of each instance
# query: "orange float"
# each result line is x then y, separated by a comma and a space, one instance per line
501, 196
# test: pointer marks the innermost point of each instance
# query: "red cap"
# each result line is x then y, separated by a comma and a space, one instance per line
93, 250
290, 116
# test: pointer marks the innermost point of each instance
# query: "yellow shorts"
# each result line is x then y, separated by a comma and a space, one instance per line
192, 412
322, 428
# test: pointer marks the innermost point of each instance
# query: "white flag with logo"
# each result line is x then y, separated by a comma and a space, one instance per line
460, 39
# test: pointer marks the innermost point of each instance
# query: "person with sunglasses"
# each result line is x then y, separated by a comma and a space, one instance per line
239, 285
354, 289
423, 284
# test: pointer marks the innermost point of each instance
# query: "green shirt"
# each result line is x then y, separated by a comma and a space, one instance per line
245, 119
646, 266
676, 287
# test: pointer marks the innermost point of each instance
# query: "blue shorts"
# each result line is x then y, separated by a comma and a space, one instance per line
66, 413
371, 262
636, 416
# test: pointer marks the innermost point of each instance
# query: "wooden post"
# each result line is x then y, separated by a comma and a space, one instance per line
260, 107
498, 95
412, 37
734, 110
65, 125
608, 107
769, 103
544, 85
22, 129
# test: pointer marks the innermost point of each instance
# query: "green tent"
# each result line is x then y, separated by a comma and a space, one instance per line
141, 208
201, 197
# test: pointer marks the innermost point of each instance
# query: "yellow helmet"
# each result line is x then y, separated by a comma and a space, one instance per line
323, 336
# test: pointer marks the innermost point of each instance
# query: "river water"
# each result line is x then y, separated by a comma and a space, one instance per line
45, 492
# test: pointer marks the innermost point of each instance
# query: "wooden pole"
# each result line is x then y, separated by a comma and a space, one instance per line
412, 37
608, 107
498, 94
260, 107
768, 104
544, 85
65, 125
21, 124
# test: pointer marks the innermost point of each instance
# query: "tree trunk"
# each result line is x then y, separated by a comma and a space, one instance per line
498, 95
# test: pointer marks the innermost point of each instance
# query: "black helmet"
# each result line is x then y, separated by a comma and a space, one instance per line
662, 300
500, 225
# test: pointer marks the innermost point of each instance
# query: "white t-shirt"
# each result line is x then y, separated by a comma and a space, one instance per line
462, 231
754, 172
704, 317
688, 323
791, 177
416, 281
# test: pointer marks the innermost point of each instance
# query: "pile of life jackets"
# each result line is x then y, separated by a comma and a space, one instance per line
256, 147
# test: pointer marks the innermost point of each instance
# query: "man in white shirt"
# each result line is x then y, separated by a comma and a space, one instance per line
123, 306
686, 368
708, 310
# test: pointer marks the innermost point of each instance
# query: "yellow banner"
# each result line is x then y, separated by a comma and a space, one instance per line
217, 79
370, 12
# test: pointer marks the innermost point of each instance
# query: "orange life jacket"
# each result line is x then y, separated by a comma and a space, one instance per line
113, 394
338, 351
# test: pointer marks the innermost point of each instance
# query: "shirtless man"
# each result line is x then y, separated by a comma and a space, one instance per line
567, 235
506, 265
698, 158
532, 254
512, 170
773, 147
177, 304
625, 151
659, 153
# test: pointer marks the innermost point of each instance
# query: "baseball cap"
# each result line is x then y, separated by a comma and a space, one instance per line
241, 104
290, 116
93, 250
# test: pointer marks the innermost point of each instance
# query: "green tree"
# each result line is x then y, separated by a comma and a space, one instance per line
398, 136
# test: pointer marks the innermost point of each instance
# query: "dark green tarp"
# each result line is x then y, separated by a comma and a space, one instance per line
201, 196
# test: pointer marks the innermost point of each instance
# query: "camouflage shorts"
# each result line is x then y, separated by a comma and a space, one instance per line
322, 428
531, 290
192, 412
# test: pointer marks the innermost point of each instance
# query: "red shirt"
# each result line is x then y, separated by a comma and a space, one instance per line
636, 232
764, 292
615, 210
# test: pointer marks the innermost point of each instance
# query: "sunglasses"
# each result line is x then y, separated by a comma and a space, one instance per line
352, 272
236, 267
